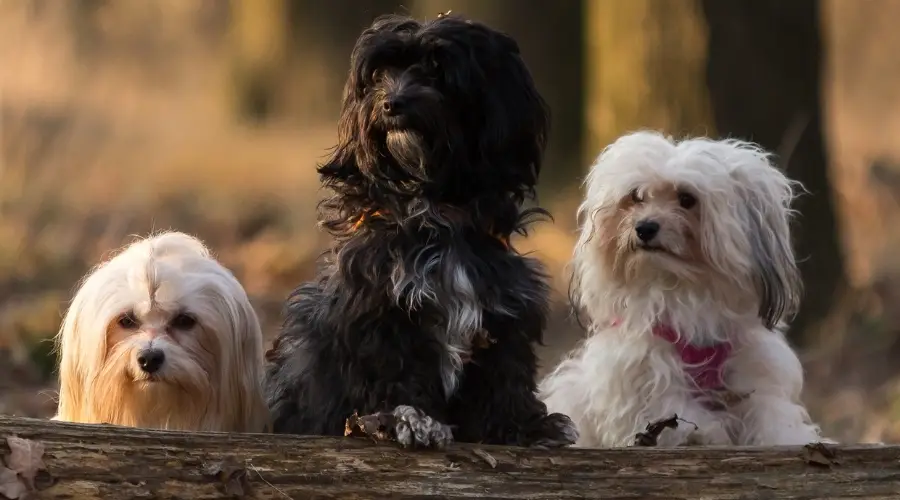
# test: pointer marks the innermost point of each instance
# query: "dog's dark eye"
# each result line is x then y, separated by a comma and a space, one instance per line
635, 197
183, 321
127, 321
687, 200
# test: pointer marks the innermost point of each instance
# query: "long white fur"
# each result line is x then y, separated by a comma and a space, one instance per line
212, 376
623, 377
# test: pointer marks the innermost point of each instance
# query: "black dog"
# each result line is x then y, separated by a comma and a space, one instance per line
422, 308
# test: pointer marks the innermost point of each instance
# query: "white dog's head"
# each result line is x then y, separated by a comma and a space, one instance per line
698, 221
162, 336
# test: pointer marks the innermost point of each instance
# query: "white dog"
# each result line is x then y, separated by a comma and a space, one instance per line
162, 336
685, 270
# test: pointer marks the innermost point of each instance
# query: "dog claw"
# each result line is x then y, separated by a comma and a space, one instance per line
415, 428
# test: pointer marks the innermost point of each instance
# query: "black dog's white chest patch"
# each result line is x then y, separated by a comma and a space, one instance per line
464, 314
440, 282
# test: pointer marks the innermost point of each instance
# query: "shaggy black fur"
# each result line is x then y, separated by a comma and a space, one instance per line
422, 308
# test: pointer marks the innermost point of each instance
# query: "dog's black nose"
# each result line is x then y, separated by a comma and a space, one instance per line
150, 360
646, 230
392, 105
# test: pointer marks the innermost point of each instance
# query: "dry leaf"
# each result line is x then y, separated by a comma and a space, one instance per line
378, 426
483, 339
486, 457
820, 455
234, 478
26, 457
651, 433
349, 425
11, 486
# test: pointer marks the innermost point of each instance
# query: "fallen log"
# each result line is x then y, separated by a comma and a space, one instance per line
56, 460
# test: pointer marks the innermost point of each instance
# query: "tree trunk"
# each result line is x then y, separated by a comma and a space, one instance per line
645, 68
259, 29
321, 39
111, 463
293, 55
764, 77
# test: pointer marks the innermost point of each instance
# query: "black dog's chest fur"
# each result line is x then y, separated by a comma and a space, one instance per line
379, 330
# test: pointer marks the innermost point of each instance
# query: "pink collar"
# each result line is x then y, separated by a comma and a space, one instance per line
704, 365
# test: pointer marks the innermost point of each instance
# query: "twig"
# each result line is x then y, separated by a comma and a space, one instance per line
261, 478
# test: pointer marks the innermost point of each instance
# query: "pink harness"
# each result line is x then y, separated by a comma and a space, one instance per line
702, 364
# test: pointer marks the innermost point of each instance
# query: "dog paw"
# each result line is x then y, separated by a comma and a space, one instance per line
551, 431
414, 428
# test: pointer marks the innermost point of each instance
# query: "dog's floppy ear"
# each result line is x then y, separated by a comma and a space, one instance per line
767, 194
243, 383
255, 412
71, 384
81, 347
516, 117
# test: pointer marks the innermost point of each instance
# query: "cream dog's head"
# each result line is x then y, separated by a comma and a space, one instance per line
673, 222
162, 336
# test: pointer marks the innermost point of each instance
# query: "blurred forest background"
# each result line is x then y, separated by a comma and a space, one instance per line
119, 117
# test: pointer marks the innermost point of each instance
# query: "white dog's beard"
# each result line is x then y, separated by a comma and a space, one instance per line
178, 398
658, 268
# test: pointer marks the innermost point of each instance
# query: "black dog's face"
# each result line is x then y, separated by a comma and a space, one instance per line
443, 109
408, 107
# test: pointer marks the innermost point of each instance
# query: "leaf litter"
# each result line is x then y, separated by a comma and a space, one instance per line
377, 427
234, 477
820, 455
21, 468
650, 436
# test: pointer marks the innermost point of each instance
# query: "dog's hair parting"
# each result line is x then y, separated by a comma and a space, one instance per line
422, 308
162, 336
684, 247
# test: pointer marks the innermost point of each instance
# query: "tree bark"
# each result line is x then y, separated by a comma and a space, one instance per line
764, 76
111, 463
